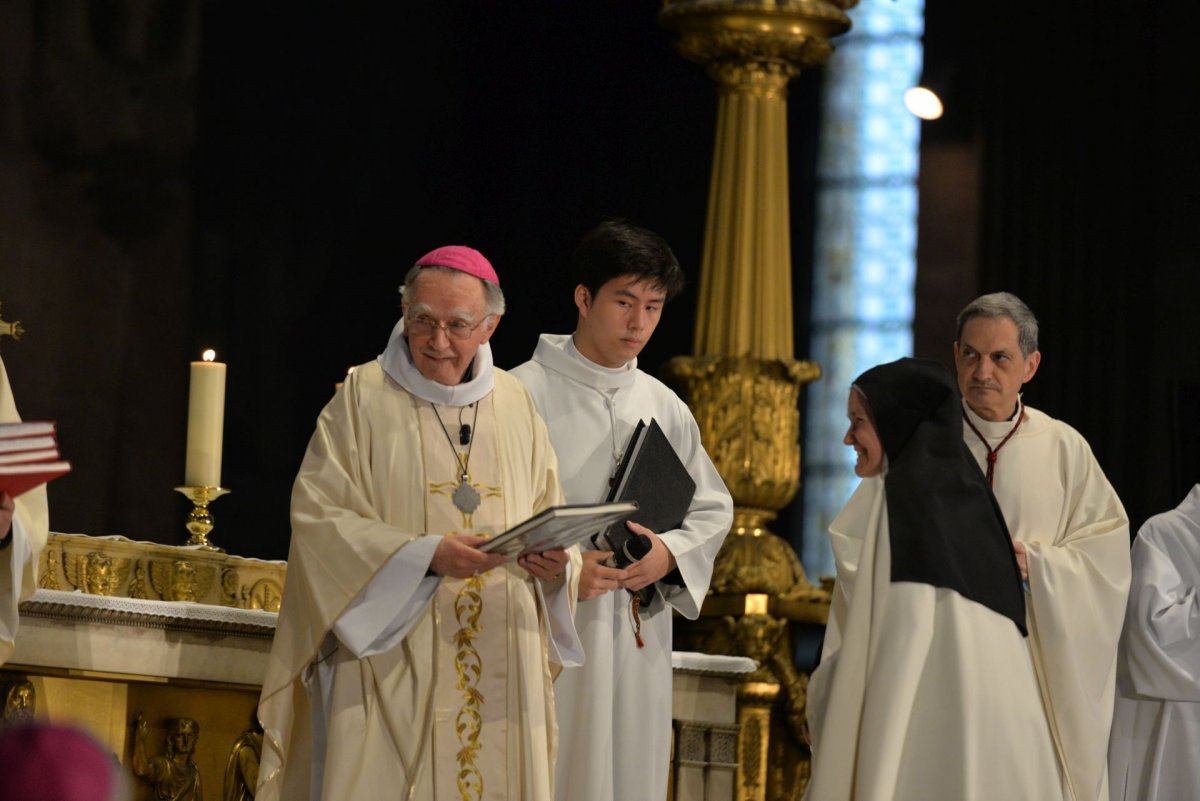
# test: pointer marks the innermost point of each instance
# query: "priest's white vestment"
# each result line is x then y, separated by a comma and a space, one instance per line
921, 694
614, 712
30, 529
1056, 501
1154, 750
387, 681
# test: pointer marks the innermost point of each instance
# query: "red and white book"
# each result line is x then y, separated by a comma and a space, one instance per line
29, 456
22, 444
21, 457
28, 428
18, 478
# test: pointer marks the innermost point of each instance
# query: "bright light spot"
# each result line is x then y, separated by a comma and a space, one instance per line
923, 103
209, 355
756, 603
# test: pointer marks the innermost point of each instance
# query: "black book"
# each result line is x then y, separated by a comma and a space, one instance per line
652, 474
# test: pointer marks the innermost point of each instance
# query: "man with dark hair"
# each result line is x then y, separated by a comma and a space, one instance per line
614, 712
1069, 530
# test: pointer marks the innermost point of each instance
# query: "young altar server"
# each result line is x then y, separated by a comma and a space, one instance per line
614, 712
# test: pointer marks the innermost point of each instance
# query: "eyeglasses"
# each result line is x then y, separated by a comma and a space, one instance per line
423, 326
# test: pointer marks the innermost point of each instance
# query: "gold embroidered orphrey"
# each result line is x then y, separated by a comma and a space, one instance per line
468, 667
467, 605
452, 490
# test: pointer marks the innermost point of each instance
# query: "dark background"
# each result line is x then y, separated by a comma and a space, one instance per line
257, 178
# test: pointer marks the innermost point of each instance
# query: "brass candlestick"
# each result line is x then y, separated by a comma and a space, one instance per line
200, 521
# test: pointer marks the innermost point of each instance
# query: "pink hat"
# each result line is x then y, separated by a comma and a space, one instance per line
461, 257
53, 762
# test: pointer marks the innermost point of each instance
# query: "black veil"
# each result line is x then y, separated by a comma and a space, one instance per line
945, 526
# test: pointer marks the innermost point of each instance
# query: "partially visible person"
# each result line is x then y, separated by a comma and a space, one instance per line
407, 663
1154, 749
57, 762
1069, 529
614, 712
925, 689
24, 528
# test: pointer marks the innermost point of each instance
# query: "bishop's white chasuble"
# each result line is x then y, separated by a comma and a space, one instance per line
387, 682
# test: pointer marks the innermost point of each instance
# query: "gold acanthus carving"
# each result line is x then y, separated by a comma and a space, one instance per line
747, 411
765, 79
761, 563
795, 32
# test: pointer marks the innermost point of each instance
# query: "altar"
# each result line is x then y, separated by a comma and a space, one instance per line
120, 629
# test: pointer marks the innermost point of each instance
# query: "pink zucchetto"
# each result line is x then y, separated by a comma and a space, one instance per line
463, 258
54, 762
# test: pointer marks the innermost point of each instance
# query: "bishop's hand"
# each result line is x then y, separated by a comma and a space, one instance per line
651, 567
546, 565
458, 556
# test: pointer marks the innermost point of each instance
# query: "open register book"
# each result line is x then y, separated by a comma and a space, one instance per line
558, 527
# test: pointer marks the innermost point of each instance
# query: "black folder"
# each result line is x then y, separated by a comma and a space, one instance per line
652, 474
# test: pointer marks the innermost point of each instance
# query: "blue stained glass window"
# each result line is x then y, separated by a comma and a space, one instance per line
866, 242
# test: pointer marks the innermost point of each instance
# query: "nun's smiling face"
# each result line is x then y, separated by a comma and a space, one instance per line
863, 437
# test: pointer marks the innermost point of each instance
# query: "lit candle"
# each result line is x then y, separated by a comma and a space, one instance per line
339, 384
206, 422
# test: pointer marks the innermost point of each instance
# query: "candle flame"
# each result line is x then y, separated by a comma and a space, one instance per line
209, 355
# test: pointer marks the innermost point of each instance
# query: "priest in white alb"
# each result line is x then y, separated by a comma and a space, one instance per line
614, 712
407, 663
1069, 530
1155, 741
24, 528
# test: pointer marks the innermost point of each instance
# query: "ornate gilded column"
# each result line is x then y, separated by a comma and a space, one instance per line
743, 384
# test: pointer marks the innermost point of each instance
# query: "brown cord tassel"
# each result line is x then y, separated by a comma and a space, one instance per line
634, 605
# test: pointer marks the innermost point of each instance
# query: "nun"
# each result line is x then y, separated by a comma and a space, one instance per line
925, 690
